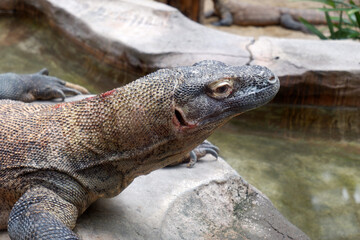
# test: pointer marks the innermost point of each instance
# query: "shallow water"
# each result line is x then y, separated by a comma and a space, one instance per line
305, 159
28, 45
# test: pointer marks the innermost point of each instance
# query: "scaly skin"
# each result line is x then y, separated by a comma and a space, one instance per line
57, 160
37, 86
246, 14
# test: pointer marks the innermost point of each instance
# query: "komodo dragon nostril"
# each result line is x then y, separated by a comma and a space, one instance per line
272, 79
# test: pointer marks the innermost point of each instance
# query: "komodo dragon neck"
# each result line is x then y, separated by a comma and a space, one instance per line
125, 132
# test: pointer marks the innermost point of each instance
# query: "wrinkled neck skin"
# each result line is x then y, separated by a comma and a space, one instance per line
125, 133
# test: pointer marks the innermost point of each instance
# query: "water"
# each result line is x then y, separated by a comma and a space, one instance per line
28, 45
305, 159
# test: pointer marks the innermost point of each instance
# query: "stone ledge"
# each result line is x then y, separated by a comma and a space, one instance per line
287, 57
312, 72
141, 35
145, 35
209, 201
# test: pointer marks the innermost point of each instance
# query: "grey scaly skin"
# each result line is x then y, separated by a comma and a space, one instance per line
37, 86
57, 160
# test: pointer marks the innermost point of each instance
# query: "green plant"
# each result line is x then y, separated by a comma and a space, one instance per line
340, 27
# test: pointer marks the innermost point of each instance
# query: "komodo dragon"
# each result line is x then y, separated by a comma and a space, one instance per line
246, 14
56, 160
37, 86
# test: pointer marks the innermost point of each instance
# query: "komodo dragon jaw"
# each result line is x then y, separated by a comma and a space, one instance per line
214, 92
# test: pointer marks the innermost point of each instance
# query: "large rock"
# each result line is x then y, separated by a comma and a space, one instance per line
209, 201
145, 35
312, 71
137, 35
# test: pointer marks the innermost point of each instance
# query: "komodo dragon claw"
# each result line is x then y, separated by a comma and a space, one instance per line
200, 151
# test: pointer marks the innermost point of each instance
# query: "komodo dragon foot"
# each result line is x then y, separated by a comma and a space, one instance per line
200, 151
37, 86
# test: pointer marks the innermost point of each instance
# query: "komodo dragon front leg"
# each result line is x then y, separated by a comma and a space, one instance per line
37, 86
42, 214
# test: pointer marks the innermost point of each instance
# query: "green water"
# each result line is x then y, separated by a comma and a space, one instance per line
305, 159
28, 45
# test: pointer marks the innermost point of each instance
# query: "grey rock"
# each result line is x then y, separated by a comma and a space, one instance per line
288, 57
145, 35
140, 35
312, 72
209, 201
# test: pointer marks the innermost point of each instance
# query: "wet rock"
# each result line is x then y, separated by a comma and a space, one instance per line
311, 71
138, 35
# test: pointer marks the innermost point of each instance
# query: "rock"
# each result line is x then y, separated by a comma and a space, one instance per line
209, 201
311, 71
288, 57
145, 35
138, 35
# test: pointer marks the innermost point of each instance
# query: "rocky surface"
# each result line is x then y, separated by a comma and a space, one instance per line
145, 35
209, 201
312, 71
137, 35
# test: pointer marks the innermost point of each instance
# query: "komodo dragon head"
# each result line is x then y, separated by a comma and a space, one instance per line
209, 93
213, 92
171, 111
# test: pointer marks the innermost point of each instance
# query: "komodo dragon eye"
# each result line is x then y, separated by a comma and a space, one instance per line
220, 89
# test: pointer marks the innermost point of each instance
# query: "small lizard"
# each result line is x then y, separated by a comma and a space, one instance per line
56, 160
